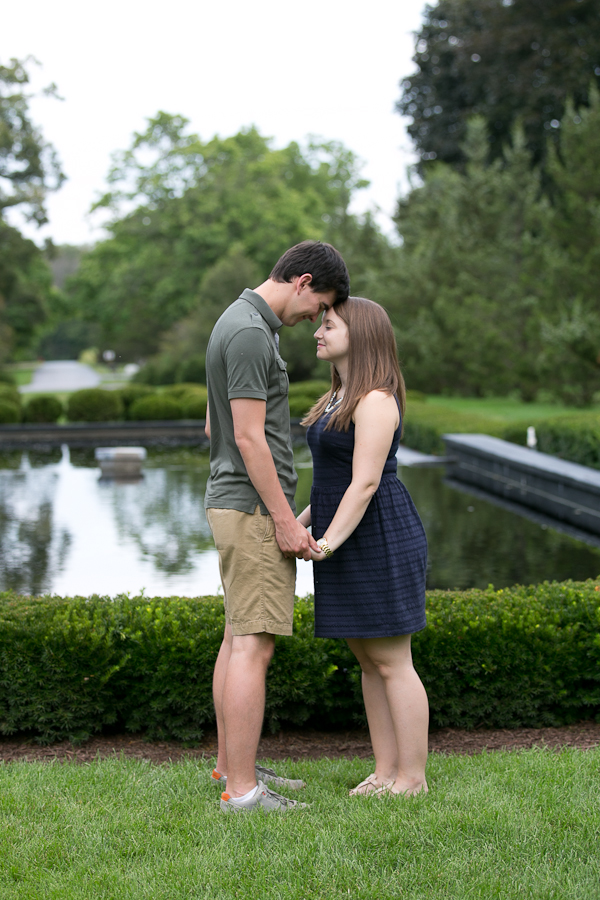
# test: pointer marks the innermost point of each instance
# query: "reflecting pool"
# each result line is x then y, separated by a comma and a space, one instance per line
65, 530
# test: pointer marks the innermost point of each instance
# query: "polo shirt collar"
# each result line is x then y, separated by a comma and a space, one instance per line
263, 308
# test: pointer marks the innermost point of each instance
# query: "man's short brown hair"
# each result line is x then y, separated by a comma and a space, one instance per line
322, 261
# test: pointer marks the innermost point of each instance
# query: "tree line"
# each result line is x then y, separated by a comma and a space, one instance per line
491, 281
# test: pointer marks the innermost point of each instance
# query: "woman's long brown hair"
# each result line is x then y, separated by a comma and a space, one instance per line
372, 362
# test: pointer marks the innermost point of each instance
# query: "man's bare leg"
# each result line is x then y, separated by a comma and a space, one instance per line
218, 686
243, 707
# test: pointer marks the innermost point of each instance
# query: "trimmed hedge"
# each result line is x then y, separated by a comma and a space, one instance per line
522, 656
10, 413
132, 392
425, 423
94, 405
576, 438
157, 408
43, 408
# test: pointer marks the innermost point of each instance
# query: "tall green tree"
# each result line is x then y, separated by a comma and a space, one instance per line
505, 60
179, 207
468, 320
570, 278
29, 169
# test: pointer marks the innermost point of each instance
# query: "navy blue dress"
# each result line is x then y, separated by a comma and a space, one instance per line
374, 584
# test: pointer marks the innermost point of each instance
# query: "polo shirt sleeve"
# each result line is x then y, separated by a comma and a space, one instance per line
247, 359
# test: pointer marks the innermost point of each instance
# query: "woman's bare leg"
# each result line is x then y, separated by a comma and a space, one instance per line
403, 702
381, 725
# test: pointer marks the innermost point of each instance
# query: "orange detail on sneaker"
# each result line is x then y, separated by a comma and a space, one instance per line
225, 797
216, 775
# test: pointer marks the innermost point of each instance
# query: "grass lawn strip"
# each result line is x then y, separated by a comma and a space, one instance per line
521, 824
509, 411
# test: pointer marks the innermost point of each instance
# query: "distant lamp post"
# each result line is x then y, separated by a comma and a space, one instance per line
531, 438
109, 358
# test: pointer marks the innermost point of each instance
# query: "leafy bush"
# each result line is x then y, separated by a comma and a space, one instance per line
300, 405
194, 369
425, 423
575, 438
157, 407
10, 412
44, 408
94, 405
522, 656
6, 377
304, 394
10, 394
194, 406
314, 389
132, 392
158, 371
185, 390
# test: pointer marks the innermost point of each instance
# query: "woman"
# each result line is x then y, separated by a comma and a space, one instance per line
370, 572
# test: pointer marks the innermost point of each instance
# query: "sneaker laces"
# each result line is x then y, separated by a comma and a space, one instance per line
283, 800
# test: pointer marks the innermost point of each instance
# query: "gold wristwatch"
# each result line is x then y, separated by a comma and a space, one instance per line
322, 543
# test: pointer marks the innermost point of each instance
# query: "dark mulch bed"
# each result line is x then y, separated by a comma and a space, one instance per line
305, 744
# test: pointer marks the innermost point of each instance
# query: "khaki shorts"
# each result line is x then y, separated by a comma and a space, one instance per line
258, 580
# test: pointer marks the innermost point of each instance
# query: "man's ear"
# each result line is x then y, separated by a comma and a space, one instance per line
303, 281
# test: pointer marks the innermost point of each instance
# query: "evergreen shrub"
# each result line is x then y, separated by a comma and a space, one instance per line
43, 408
132, 392
10, 412
521, 656
576, 438
194, 406
184, 390
10, 393
94, 405
300, 404
156, 407
304, 394
425, 423
194, 369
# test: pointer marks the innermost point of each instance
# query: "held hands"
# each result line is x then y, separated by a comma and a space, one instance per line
295, 541
317, 556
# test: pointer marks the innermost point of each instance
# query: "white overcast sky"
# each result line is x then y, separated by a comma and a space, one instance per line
319, 67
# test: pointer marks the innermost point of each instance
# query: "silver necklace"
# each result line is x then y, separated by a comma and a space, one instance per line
333, 402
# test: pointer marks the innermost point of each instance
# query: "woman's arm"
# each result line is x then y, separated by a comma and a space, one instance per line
207, 423
304, 517
375, 419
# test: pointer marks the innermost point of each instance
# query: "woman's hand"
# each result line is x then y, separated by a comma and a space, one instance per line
317, 557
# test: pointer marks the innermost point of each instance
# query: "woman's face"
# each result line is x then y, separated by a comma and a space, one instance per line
332, 337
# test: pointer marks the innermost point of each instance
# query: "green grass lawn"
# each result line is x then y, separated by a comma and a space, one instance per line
508, 410
499, 825
22, 372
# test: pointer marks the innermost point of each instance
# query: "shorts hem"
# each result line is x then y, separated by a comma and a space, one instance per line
262, 626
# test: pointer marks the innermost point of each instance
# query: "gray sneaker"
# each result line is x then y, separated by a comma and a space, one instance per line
267, 776
264, 799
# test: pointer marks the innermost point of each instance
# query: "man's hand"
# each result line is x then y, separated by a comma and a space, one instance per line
294, 539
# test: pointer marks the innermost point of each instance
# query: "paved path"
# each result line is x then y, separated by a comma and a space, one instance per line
65, 375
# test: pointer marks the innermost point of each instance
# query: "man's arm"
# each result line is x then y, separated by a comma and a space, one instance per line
249, 431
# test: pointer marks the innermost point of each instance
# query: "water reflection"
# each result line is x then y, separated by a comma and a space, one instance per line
473, 543
65, 531
33, 548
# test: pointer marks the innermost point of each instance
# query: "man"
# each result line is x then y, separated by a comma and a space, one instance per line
250, 503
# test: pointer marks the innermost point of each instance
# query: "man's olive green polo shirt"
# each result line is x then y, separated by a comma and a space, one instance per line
242, 360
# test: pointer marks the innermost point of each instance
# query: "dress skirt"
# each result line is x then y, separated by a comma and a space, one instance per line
374, 584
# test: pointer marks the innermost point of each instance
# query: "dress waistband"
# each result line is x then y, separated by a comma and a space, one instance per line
329, 483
